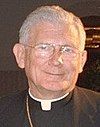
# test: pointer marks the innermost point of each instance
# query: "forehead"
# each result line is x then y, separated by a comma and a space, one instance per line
54, 33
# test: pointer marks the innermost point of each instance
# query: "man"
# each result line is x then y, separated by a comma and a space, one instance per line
51, 50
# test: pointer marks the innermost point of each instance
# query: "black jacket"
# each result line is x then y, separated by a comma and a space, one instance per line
84, 106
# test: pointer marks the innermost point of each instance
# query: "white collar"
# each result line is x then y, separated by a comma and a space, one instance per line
46, 104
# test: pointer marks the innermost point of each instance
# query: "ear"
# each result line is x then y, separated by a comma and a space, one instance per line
19, 52
83, 60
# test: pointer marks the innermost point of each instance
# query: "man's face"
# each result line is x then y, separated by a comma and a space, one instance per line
57, 72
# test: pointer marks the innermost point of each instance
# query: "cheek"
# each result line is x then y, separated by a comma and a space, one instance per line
72, 70
33, 62
71, 65
33, 68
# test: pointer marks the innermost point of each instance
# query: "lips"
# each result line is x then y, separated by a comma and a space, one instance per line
54, 73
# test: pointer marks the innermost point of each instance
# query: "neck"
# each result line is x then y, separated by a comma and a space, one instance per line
45, 94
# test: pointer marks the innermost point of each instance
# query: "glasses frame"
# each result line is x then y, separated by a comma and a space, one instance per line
74, 49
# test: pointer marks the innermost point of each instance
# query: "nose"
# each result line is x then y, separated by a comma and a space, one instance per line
60, 60
56, 59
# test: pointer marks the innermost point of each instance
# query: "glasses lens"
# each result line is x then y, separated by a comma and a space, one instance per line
69, 51
44, 50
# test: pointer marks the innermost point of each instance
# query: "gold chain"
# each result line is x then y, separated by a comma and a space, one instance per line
28, 112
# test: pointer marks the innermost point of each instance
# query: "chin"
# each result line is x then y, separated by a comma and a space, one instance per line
57, 86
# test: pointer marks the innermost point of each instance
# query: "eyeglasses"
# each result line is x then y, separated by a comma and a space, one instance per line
46, 50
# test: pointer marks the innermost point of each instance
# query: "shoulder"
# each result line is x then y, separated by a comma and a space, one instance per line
88, 103
12, 100
13, 95
12, 108
88, 93
88, 98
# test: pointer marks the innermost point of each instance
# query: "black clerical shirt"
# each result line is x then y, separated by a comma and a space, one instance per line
81, 108
60, 115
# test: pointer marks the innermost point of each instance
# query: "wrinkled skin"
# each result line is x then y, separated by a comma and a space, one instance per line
53, 77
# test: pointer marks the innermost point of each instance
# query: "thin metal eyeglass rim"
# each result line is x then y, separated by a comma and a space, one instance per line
51, 45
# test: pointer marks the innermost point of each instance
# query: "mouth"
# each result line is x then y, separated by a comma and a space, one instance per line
55, 74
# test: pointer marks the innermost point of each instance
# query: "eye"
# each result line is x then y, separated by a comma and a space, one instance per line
43, 47
44, 50
67, 49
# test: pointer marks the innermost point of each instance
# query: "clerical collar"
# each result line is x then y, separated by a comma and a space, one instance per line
46, 104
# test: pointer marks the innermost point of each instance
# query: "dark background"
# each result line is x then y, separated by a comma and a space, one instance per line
12, 14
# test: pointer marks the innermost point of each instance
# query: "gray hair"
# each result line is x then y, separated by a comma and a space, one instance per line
53, 14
